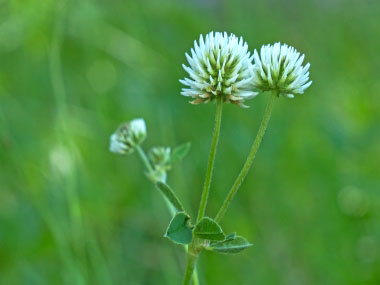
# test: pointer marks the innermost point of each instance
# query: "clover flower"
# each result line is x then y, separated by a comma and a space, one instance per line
279, 67
128, 136
220, 65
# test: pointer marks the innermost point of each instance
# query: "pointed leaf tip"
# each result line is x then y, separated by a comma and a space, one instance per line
230, 246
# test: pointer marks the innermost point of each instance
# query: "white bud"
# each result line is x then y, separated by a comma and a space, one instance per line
138, 130
118, 146
128, 136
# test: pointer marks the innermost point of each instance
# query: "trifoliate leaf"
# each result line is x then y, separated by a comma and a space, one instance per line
207, 228
170, 195
230, 245
179, 230
180, 152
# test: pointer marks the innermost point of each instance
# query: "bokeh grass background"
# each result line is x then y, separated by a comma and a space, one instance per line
73, 213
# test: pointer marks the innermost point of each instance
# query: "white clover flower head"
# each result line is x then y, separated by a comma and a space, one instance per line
128, 136
220, 65
279, 67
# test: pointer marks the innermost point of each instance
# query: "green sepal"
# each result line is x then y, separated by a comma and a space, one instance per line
180, 152
170, 195
180, 229
208, 229
231, 245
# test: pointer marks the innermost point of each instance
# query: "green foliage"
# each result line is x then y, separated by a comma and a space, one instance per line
230, 236
170, 195
73, 213
208, 229
179, 230
180, 152
232, 244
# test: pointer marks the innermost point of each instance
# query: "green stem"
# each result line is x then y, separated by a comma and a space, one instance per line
172, 211
211, 160
195, 276
144, 158
191, 261
251, 157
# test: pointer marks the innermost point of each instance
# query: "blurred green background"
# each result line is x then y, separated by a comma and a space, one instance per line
71, 212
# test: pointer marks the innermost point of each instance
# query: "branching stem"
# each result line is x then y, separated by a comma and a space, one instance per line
250, 158
144, 158
191, 262
171, 209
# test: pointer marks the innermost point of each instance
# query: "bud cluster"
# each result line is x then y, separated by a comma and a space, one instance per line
128, 136
160, 158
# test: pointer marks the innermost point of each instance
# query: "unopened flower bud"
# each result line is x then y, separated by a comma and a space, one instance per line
161, 160
128, 136
160, 157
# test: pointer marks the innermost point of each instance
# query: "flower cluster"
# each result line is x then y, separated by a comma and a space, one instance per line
220, 66
128, 136
279, 67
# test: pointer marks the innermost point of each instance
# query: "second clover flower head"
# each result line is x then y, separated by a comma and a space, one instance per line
220, 65
279, 67
128, 136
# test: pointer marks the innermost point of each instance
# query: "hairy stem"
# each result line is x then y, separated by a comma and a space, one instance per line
211, 160
171, 209
191, 261
144, 158
195, 276
250, 158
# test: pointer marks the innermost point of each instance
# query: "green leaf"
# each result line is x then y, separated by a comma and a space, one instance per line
230, 245
179, 230
207, 228
170, 195
230, 236
180, 152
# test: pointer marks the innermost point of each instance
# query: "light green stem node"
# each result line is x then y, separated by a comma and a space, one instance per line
211, 160
250, 158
